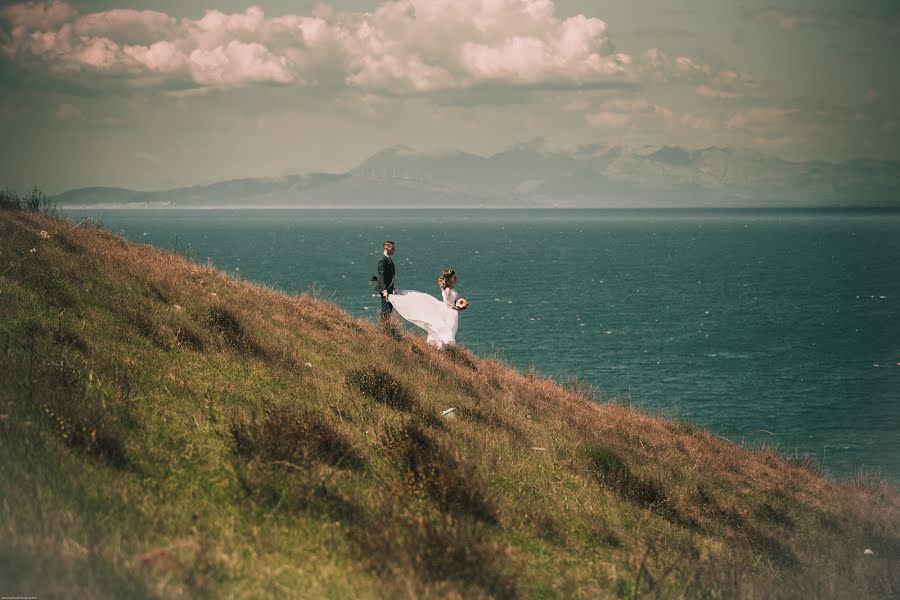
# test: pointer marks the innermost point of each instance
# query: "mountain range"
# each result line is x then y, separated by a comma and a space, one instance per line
530, 175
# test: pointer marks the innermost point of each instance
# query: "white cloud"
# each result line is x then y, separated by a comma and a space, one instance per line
68, 112
162, 57
639, 105
39, 15
758, 116
698, 122
238, 63
791, 20
400, 46
665, 113
99, 53
710, 92
710, 83
126, 26
608, 119
785, 140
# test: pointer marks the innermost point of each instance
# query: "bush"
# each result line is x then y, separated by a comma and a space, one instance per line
225, 322
437, 548
611, 472
382, 387
9, 200
288, 433
79, 423
438, 473
35, 201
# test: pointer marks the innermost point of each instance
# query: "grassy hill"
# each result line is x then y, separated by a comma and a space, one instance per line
168, 431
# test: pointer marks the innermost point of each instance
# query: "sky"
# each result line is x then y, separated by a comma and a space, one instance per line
155, 95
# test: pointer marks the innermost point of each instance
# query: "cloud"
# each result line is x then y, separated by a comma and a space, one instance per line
608, 119
639, 105
710, 92
658, 66
790, 20
38, 15
758, 116
402, 46
68, 112
698, 122
237, 63
876, 16
126, 26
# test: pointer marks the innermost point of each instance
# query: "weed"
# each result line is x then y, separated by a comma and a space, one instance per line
611, 472
382, 387
285, 432
430, 467
585, 389
227, 324
871, 481
806, 462
35, 201
439, 548
9, 200
778, 515
461, 357
80, 423
70, 339
490, 417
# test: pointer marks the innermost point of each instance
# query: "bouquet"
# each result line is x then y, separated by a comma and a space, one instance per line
461, 304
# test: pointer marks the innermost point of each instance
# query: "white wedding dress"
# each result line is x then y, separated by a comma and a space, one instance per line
437, 318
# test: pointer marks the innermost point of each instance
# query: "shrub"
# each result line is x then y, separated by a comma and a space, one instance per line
78, 422
226, 323
35, 201
461, 357
611, 472
288, 433
438, 473
382, 387
9, 200
806, 462
437, 548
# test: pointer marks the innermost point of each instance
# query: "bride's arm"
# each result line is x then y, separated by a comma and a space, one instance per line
446, 295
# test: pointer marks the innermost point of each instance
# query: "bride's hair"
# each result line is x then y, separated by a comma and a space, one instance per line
447, 279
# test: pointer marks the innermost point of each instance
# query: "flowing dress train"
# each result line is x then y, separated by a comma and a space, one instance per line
436, 317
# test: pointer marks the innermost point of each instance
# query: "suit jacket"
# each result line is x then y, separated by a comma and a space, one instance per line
386, 274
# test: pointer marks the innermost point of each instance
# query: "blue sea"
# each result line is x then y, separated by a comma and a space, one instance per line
765, 326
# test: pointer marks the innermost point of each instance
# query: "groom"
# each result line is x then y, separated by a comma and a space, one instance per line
386, 279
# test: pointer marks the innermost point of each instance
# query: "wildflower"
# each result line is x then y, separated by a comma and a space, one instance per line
44, 235
33, 250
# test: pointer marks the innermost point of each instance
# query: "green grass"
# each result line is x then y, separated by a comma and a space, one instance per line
168, 431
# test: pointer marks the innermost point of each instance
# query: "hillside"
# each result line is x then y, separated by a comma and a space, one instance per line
168, 431
532, 175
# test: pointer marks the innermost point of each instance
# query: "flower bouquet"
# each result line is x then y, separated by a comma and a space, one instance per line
461, 304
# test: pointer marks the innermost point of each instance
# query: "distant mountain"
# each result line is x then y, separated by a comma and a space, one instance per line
531, 175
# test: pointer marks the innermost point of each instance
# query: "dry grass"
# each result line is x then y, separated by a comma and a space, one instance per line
168, 431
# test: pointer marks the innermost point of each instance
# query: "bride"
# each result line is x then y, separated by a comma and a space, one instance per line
438, 318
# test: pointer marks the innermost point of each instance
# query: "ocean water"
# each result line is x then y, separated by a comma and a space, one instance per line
779, 327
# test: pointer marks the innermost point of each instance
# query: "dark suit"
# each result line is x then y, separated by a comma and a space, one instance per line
386, 274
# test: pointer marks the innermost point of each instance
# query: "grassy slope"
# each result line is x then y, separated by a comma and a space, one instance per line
166, 430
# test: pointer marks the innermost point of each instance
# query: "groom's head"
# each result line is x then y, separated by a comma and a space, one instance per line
388, 247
